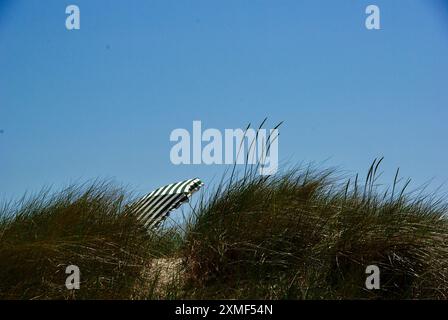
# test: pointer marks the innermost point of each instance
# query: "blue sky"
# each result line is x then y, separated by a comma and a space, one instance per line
102, 101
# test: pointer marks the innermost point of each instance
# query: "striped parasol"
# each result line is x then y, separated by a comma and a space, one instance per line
155, 207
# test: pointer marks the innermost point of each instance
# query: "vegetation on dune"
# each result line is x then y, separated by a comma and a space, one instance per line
303, 234
83, 226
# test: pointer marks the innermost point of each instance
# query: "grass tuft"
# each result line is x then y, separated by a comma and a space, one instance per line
306, 234
83, 226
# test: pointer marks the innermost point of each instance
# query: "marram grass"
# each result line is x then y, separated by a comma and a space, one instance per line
303, 234
83, 226
306, 235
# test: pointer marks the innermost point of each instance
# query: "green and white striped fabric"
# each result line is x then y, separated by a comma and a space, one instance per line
155, 207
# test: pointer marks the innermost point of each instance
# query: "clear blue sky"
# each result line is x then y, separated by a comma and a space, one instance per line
102, 101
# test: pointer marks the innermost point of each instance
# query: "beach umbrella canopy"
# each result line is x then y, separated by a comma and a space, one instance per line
155, 207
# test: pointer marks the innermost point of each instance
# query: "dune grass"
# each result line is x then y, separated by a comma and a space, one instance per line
84, 226
306, 234
302, 234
